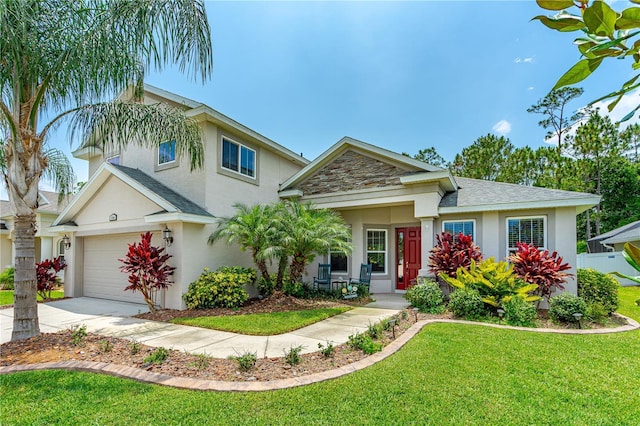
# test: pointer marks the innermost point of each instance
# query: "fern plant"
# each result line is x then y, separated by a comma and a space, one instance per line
496, 282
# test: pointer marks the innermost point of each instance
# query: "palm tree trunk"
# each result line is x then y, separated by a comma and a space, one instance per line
297, 268
25, 314
282, 266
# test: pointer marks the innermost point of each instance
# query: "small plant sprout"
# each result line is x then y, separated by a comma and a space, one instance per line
328, 350
158, 356
78, 334
134, 347
292, 356
246, 361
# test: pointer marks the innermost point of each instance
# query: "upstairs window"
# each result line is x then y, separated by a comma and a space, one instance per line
238, 158
529, 230
166, 152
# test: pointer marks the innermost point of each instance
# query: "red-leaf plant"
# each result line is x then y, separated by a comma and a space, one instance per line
539, 267
147, 269
46, 275
449, 254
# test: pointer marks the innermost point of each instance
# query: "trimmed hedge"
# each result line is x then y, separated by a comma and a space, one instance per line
223, 288
597, 288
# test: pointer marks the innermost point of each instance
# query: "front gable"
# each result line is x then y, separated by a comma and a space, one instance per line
350, 171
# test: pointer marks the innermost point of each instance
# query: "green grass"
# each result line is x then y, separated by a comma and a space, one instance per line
6, 296
449, 374
266, 324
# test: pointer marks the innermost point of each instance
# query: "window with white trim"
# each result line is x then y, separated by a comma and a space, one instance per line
166, 152
454, 227
529, 230
238, 158
377, 250
339, 262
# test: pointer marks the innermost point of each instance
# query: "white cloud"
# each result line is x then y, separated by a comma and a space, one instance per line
530, 88
520, 60
502, 127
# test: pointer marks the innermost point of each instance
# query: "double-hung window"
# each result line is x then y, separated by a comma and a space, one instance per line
238, 158
166, 153
529, 230
454, 227
377, 250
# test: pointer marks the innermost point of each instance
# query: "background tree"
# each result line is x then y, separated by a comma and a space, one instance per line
62, 59
604, 34
557, 121
430, 156
631, 139
485, 158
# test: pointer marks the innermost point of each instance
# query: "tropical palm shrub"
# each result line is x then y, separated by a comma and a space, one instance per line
540, 268
147, 267
600, 289
426, 296
563, 307
6, 278
46, 275
222, 288
451, 254
467, 303
496, 282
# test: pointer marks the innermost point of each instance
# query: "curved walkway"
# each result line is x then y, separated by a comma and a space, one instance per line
215, 385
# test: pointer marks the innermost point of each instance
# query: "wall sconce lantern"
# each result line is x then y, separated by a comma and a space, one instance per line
166, 236
66, 241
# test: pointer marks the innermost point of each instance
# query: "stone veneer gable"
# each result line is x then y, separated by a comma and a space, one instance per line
352, 171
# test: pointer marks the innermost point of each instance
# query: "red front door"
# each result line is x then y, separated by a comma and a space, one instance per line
408, 256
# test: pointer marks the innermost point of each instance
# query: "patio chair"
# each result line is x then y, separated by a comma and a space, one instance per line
324, 277
365, 276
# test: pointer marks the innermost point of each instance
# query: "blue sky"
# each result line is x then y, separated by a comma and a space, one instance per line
401, 75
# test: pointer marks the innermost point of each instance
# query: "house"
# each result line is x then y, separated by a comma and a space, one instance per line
615, 239
395, 206
48, 244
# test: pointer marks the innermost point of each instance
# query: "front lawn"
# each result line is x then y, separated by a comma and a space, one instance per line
266, 324
6, 296
449, 374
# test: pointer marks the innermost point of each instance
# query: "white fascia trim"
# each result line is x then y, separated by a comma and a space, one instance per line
179, 217
219, 118
580, 204
444, 177
171, 96
62, 229
291, 193
87, 152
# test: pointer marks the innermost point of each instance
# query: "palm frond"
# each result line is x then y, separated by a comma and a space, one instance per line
59, 172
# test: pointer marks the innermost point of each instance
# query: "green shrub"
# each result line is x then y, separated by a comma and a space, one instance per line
246, 361
426, 296
223, 288
375, 330
267, 287
328, 350
519, 313
294, 289
78, 334
597, 313
563, 306
596, 287
365, 343
158, 356
6, 278
292, 356
466, 303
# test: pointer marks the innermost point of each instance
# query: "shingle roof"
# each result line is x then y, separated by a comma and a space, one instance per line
181, 203
476, 192
628, 232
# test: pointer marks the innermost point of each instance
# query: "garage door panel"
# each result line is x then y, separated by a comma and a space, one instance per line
102, 276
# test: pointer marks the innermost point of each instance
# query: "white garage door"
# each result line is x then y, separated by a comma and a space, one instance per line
102, 276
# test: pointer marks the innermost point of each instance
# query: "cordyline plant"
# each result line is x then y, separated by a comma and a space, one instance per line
449, 254
147, 269
46, 274
539, 267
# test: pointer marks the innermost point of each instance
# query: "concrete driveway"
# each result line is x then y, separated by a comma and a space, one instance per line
111, 318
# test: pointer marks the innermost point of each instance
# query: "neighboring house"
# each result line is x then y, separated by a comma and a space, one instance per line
394, 205
609, 258
614, 240
48, 244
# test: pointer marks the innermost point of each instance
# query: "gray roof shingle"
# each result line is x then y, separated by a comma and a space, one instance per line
476, 192
181, 203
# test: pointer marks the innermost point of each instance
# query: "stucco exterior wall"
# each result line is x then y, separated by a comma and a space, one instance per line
6, 256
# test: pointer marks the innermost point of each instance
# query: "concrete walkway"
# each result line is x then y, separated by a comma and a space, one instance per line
111, 318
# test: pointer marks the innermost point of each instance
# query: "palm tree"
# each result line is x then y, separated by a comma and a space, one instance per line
62, 59
307, 231
250, 228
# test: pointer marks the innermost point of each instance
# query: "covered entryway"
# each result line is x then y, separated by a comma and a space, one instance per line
409, 259
102, 276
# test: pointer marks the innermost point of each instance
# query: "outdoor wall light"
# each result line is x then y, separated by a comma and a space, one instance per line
166, 236
66, 241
